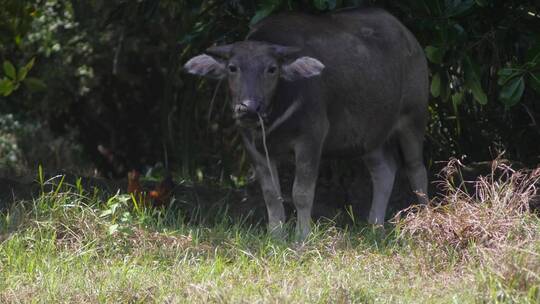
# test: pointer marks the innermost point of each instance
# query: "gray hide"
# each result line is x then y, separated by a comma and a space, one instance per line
349, 83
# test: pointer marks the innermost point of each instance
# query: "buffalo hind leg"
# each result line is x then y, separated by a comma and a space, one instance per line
411, 143
382, 167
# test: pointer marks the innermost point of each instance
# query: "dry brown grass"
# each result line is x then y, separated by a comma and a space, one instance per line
486, 222
492, 216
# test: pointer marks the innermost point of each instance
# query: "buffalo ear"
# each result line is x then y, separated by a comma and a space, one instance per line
205, 65
303, 67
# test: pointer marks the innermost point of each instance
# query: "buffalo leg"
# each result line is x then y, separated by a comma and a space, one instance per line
307, 158
268, 178
411, 143
382, 168
272, 197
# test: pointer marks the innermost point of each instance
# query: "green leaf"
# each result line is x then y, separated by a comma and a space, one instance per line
25, 69
472, 81
106, 213
482, 3
35, 84
6, 87
267, 8
478, 93
533, 55
506, 74
457, 98
9, 69
113, 229
512, 92
445, 88
435, 54
260, 14
436, 85
535, 81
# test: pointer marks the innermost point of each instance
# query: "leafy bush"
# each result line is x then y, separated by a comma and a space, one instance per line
110, 72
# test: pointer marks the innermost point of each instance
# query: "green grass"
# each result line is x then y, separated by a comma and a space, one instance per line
71, 247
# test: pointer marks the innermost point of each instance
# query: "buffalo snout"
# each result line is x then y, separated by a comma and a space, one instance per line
248, 109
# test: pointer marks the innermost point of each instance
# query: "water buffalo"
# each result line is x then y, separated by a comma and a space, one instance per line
352, 82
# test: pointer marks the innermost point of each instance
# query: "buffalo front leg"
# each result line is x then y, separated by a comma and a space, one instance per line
382, 167
272, 197
268, 178
307, 158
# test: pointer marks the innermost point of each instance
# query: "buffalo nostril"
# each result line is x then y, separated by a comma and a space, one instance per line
250, 106
241, 108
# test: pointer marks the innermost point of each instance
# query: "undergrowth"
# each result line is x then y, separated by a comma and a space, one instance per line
479, 242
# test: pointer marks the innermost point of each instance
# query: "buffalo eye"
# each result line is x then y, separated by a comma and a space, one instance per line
272, 69
233, 68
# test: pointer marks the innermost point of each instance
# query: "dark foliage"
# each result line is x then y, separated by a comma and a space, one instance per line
109, 73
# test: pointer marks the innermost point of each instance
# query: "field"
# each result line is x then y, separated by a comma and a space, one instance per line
70, 246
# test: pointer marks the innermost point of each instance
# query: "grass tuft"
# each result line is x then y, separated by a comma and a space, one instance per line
495, 215
486, 222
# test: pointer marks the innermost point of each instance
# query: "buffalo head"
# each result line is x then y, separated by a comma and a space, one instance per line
253, 70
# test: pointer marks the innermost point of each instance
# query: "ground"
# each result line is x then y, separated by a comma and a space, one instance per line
68, 245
